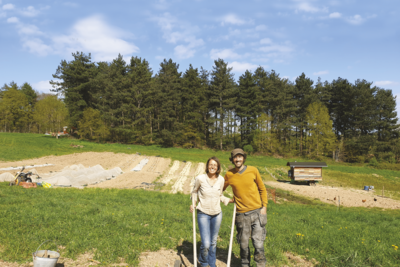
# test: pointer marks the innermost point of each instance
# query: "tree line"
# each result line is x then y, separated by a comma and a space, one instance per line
126, 102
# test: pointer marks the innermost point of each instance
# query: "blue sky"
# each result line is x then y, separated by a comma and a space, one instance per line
322, 38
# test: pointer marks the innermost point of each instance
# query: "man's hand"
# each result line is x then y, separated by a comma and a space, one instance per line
263, 210
231, 200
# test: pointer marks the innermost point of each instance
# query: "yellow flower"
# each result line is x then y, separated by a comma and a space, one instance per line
379, 241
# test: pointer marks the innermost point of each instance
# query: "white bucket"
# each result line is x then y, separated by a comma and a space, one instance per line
45, 258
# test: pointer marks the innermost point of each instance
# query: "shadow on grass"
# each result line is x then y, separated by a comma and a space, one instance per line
222, 254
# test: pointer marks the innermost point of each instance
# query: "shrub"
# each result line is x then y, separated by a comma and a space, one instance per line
248, 149
373, 162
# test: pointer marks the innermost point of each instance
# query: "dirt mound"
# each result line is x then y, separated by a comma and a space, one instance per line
331, 195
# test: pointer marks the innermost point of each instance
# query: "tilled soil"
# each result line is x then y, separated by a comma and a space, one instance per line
331, 195
132, 179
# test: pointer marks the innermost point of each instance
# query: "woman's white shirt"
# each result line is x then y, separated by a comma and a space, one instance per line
209, 195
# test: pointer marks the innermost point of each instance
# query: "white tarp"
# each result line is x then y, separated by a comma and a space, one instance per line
78, 175
26, 167
6, 177
140, 166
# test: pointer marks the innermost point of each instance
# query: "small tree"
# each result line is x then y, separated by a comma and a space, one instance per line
91, 126
322, 138
50, 113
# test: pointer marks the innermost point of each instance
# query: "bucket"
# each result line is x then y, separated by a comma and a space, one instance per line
371, 187
366, 187
45, 258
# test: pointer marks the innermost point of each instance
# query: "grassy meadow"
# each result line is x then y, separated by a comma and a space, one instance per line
17, 146
116, 224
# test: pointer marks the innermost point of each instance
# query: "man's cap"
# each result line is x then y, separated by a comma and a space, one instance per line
237, 151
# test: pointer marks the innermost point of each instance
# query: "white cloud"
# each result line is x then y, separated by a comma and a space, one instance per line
13, 20
356, 20
385, 83
277, 48
161, 4
43, 86
307, 6
94, 35
223, 54
181, 34
37, 46
335, 15
265, 41
321, 72
261, 27
29, 11
8, 7
242, 66
232, 19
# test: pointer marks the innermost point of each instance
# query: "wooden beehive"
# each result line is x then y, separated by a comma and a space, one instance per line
306, 171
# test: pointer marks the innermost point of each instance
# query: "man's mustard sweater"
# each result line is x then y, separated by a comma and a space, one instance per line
248, 189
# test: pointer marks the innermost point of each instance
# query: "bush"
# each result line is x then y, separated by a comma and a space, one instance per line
248, 149
373, 162
360, 159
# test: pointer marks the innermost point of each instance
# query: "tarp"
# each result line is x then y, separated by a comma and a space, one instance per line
140, 166
26, 167
78, 175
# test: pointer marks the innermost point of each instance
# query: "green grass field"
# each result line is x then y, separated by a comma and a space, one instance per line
14, 146
123, 223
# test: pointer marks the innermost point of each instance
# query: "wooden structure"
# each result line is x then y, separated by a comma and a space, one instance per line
309, 172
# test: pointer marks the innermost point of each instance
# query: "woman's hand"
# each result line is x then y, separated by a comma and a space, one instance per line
231, 200
191, 208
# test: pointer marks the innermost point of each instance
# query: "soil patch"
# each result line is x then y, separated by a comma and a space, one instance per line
331, 195
132, 179
168, 257
108, 160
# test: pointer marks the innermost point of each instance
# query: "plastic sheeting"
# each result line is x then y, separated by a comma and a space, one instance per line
26, 167
78, 175
6, 177
140, 166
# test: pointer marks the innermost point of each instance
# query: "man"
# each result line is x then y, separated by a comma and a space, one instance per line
250, 196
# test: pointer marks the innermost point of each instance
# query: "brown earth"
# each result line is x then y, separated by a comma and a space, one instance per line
348, 197
108, 160
133, 179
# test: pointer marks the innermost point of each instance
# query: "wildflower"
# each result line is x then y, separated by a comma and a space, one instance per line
379, 241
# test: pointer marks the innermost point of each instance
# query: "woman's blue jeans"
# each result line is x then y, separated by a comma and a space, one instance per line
209, 227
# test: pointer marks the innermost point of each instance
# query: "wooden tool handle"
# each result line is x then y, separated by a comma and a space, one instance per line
194, 234
228, 264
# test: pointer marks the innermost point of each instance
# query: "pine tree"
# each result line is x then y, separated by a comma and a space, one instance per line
248, 107
74, 83
140, 90
304, 95
222, 96
168, 87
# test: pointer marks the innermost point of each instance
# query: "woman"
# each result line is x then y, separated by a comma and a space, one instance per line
208, 189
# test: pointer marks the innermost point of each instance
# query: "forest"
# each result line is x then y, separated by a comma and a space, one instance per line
126, 102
